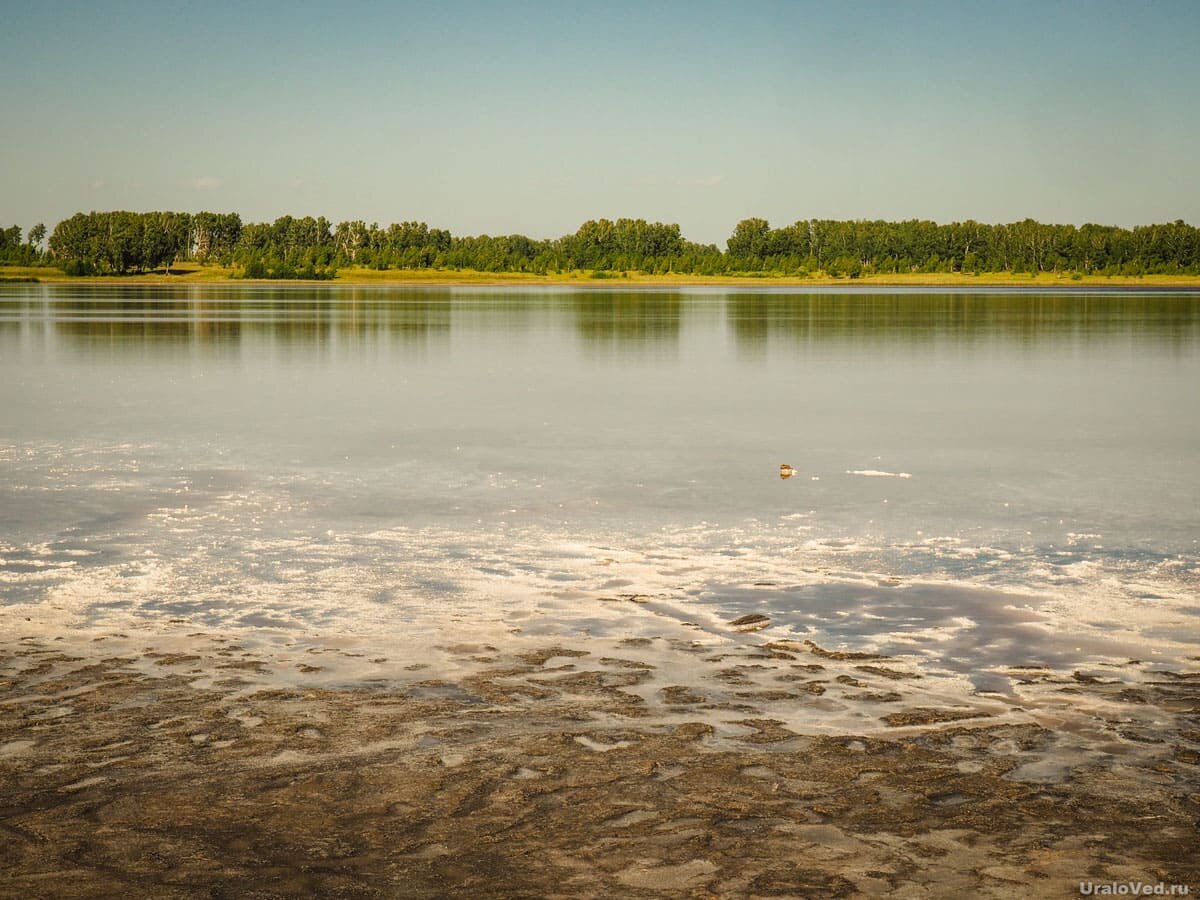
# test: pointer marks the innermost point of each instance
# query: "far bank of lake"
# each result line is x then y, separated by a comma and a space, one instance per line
190, 273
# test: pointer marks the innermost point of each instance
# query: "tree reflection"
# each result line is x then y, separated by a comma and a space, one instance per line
628, 322
919, 319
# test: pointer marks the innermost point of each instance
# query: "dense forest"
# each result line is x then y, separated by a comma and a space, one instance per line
122, 242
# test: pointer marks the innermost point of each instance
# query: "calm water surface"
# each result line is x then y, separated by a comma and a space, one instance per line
346, 458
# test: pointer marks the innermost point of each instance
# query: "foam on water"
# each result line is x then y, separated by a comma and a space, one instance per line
243, 561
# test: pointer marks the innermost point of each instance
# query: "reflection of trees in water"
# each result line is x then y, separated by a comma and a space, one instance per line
912, 318
223, 316
751, 318
621, 322
628, 321
498, 311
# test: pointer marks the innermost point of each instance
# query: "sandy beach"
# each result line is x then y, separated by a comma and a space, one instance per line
182, 764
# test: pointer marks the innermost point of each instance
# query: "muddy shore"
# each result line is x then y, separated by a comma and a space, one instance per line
194, 767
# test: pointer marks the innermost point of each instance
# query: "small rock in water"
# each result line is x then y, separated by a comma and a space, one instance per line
786, 471
752, 622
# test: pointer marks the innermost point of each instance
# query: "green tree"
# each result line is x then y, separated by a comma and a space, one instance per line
749, 240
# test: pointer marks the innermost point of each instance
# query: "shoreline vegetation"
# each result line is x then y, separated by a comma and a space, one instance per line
197, 274
209, 246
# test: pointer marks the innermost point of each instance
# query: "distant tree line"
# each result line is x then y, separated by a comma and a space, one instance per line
120, 242
15, 252
864, 247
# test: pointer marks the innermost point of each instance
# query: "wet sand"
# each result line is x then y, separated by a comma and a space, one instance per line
185, 765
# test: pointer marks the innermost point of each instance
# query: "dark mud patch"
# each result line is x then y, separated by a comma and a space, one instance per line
931, 716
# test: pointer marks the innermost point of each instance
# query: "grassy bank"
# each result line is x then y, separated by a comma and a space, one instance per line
190, 273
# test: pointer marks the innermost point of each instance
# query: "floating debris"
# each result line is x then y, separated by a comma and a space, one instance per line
786, 471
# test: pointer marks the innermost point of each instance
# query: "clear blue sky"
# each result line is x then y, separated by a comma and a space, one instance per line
531, 117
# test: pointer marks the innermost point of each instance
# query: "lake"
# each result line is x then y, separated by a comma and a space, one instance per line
982, 478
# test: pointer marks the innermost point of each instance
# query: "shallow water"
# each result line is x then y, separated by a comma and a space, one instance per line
342, 460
